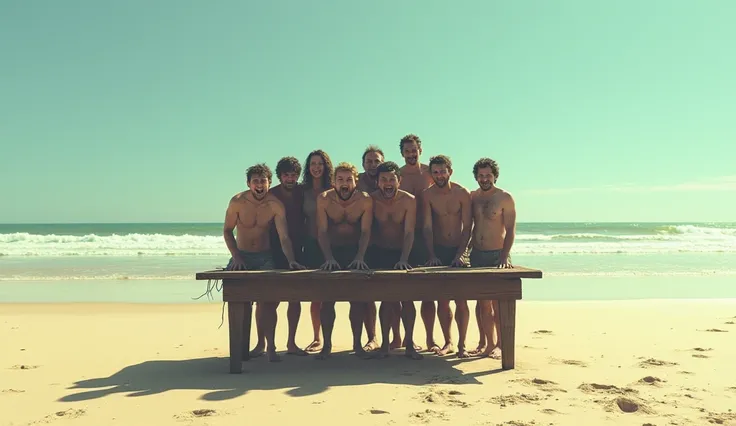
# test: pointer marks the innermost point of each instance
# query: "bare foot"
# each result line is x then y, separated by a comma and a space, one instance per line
371, 346
325, 353
477, 351
447, 349
462, 353
273, 357
257, 351
294, 350
432, 347
314, 346
395, 344
493, 353
413, 354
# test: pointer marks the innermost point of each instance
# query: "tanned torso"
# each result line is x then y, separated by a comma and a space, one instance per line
310, 211
389, 217
293, 203
344, 217
253, 220
415, 181
489, 230
446, 210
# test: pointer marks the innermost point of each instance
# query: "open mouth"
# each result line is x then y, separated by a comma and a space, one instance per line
412, 160
389, 192
260, 191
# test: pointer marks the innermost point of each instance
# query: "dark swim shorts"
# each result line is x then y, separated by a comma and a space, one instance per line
418, 255
312, 256
481, 258
445, 254
383, 258
344, 255
255, 261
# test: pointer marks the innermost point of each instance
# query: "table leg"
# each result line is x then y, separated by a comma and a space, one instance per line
507, 317
236, 321
247, 317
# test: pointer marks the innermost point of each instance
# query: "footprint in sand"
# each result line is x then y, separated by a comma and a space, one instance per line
651, 380
518, 398
702, 349
651, 362
609, 389
729, 323
543, 332
517, 423
427, 416
732, 389
444, 397
700, 356
569, 362
374, 411
12, 391
721, 418
549, 411
541, 384
71, 413
716, 330
627, 405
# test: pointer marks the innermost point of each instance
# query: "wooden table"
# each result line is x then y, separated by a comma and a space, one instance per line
241, 288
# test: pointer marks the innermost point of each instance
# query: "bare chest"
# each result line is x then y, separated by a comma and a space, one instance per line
389, 214
344, 214
487, 208
445, 206
259, 216
414, 183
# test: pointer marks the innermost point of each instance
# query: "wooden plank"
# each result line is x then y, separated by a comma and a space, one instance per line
317, 275
507, 318
399, 288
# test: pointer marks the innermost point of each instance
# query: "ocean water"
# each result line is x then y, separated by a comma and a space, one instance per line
157, 262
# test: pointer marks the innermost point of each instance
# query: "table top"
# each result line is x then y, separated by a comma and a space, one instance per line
311, 274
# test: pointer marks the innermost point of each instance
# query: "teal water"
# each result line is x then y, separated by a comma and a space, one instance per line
156, 262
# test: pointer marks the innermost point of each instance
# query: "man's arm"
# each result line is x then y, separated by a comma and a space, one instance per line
509, 222
279, 218
410, 221
427, 225
366, 222
322, 238
466, 211
231, 221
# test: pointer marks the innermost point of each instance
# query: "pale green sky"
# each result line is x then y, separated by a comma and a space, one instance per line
152, 110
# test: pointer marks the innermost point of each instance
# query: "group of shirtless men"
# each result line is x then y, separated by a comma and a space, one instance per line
384, 218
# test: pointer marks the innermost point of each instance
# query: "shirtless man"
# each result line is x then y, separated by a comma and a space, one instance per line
415, 178
251, 213
394, 217
494, 230
447, 228
344, 220
292, 196
367, 182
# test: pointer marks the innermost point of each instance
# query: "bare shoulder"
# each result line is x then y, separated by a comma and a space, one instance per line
424, 168
459, 189
405, 195
363, 197
274, 202
238, 199
326, 196
375, 194
504, 195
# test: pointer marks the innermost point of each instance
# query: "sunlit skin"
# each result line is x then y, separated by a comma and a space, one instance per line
415, 178
448, 222
344, 218
286, 193
394, 216
316, 168
367, 182
494, 228
251, 213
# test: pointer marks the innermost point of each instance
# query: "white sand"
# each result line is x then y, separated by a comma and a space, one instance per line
97, 364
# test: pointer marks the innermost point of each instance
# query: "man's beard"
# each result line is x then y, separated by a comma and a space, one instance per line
345, 193
388, 193
441, 183
485, 186
412, 160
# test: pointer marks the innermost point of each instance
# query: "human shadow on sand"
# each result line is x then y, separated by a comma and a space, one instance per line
297, 376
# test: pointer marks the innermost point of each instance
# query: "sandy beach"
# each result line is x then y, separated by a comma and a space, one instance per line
594, 363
